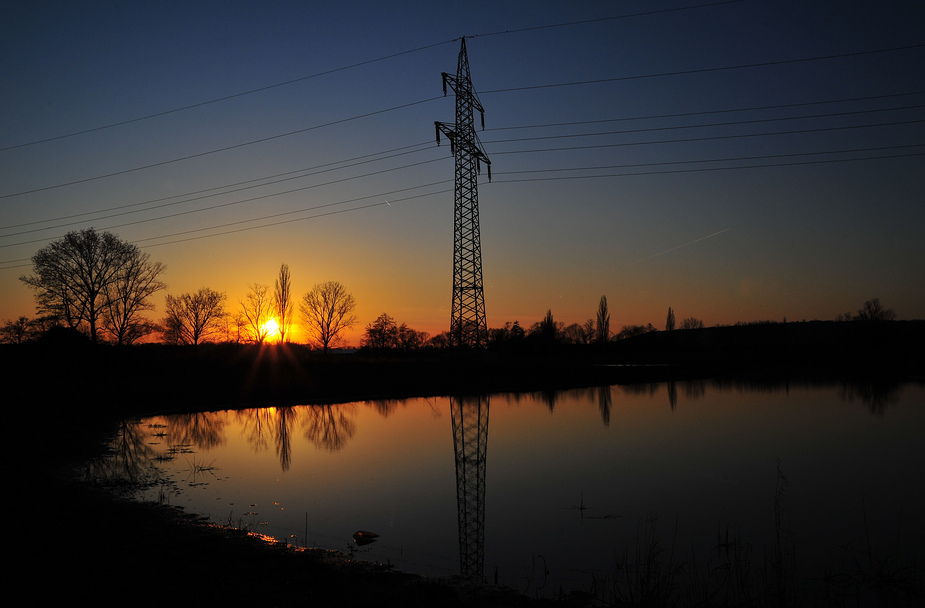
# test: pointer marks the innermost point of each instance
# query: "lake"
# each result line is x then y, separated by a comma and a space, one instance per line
680, 489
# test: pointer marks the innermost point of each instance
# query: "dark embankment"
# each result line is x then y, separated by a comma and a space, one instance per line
64, 396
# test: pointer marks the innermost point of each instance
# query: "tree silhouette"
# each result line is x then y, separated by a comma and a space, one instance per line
282, 301
873, 310
192, 318
691, 323
130, 294
602, 327
256, 307
669, 322
76, 277
327, 311
16, 332
381, 333
546, 330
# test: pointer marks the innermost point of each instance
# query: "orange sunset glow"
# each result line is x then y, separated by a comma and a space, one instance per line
777, 176
271, 328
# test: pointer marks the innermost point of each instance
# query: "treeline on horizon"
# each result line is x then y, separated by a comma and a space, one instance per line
95, 285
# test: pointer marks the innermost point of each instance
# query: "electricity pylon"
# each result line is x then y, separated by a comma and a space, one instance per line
470, 446
467, 321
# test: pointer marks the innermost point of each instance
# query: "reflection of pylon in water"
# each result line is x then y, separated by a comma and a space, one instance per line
470, 442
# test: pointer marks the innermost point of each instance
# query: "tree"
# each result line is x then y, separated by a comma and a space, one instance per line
508, 334
129, 295
572, 334
256, 309
691, 323
602, 327
327, 311
385, 333
75, 275
547, 331
411, 339
192, 318
16, 332
282, 301
629, 331
669, 323
873, 310
381, 333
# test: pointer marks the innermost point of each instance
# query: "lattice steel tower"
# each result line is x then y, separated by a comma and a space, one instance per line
470, 446
467, 322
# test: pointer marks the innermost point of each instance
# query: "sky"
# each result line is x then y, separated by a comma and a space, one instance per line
735, 161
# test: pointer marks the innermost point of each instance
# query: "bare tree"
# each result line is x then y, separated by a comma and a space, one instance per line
256, 308
873, 310
129, 295
602, 328
691, 323
282, 301
192, 318
16, 332
669, 322
576, 333
327, 311
73, 275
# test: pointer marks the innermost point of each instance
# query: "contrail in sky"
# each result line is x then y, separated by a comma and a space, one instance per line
703, 238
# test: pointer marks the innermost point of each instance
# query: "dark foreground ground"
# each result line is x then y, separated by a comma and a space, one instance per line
72, 544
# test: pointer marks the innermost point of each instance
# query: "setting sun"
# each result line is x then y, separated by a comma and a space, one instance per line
271, 328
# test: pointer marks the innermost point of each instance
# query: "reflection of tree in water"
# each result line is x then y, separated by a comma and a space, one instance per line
640, 389
695, 389
256, 426
604, 403
877, 396
329, 427
673, 394
550, 398
262, 424
129, 460
285, 419
386, 407
203, 429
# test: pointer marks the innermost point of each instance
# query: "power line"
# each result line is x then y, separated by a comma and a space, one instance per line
715, 160
710, 138
311, 217
228, 204
706, 112
706, 70
345, 68
349, 178
225, 98
276, 215
706, 169
602, 19
205, 196
320, 169
224, 149
410, 104
502, 181
715, 124
398, 151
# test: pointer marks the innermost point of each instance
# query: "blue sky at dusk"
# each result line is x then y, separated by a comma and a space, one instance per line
737, 161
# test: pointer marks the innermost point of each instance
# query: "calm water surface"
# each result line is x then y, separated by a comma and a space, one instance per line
555, 490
